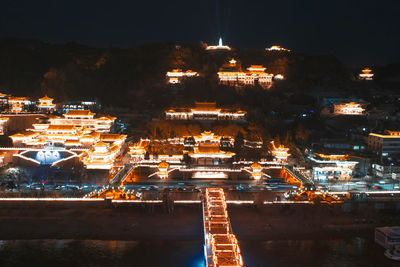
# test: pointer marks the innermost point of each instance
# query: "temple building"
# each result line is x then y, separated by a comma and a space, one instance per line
204, 149
205, 111
332, 167
231, 73
209, 154
280, 153
366, 74
18, 104
101, 156
163, 170
74, 129
46, 104
84, 118
277, 48
220, 46
177, 75
256, 172
350, 108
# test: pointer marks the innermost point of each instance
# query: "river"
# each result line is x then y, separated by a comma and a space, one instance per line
354, 251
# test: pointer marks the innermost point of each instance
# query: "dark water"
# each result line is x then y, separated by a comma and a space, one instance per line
343, 252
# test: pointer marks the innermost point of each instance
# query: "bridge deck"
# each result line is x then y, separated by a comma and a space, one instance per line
221, 245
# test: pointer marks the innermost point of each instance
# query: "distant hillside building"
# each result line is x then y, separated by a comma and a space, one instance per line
384, 144
277, 48
366, 74
231, 73
351, 108
176, 75
205, 111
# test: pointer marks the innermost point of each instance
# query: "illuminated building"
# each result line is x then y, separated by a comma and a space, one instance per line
77, 130
46, 103
384, 144
231, 73
350, 108
366, 74
138, 151
18, 104
386, 170
2, 155
176, 75
3, 100
209, 154
101, 156
332, 167
204, 149
277, 48
84, 118
220, 46
256, 171
81, 105
163, 170
3, 125
280, 153
204, 111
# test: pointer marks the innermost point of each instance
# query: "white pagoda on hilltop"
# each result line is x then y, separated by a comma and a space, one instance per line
220, 46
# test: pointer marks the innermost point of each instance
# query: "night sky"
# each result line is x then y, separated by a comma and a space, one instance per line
359, 32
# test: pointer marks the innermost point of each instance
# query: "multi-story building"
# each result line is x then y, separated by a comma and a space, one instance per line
46, 104
384, 144
205, 111
84, 118
332, 167
18, 104
386, 170
101, 156
232, 74
177, 75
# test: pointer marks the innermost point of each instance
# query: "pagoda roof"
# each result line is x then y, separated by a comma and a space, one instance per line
61, 127
256, 166
79, 113
163, 164
18, 98
71, 142
100, 144
106, 118
112, 137
46, 98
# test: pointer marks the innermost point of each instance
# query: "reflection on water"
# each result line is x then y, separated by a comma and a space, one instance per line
100, 253
341, 252
336, 252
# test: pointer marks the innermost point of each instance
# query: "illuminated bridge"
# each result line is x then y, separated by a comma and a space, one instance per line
221, 247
